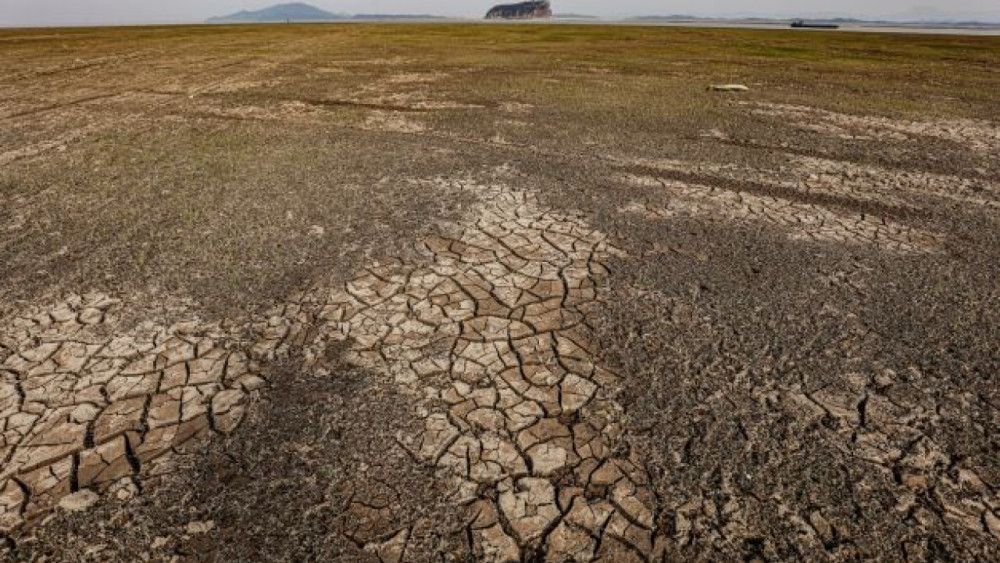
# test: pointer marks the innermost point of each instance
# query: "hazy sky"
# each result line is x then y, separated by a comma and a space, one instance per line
49, 12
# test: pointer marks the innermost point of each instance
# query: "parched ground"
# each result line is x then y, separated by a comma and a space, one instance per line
501, 293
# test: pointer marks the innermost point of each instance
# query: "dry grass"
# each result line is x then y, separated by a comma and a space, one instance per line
195, 159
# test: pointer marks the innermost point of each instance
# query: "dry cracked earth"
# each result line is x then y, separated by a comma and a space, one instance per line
307, 293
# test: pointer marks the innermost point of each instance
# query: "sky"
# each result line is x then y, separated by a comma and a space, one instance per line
88, 12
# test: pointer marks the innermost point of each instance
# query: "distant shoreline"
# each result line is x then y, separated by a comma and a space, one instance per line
774, 25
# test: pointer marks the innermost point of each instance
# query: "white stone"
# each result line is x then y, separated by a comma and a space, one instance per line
80, 500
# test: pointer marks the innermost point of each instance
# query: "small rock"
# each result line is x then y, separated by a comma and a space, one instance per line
80, 500
316, 231
728, 88
714, 134
195, 528
92, 550
125, 493
158, 542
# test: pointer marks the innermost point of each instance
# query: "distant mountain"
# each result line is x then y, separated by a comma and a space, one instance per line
297, 12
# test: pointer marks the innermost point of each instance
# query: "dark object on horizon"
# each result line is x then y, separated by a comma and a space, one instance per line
802, 24
521, 11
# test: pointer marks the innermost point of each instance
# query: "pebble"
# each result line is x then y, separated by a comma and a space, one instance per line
195, 528
729, 88
80, 500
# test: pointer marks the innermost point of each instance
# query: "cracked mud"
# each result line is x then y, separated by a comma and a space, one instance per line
490, 336
85, 406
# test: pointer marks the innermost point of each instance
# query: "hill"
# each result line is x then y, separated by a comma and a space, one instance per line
521, 11
282, 12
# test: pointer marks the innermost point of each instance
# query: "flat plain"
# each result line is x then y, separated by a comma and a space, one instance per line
504, 293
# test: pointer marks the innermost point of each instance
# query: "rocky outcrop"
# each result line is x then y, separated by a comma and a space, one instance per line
520, 11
